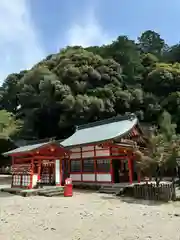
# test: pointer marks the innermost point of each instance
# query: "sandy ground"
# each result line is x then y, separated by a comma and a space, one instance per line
85, 216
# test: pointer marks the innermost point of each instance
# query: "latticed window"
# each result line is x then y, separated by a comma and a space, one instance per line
75, 165
88, 165
103, 165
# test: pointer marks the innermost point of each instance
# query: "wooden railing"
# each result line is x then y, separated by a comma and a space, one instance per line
163, 192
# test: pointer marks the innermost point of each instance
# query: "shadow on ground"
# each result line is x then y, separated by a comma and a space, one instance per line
141, 201
133, 200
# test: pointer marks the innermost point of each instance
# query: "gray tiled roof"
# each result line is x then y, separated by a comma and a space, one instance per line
101, 130
26, 148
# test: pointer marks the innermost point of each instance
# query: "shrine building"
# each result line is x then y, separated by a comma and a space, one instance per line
98, 153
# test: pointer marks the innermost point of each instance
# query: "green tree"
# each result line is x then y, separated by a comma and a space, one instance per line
78, 85
163, 79
151, 42
9, 126
9, 92
125, 52
79, 88
172, 54
163, 149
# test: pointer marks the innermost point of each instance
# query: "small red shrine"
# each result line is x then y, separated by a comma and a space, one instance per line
38, 162
97, 153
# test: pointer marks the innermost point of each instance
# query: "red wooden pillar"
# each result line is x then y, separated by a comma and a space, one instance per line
39, 169
111, 171
81, 152
95, 163
12, 164
111, 167
69, 165
130, 170
31, 173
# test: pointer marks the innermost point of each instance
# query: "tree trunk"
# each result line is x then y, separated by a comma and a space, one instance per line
158, 176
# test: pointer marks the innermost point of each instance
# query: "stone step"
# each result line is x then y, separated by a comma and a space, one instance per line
106, 187
51, 193
112, 190
108, 190
50, 190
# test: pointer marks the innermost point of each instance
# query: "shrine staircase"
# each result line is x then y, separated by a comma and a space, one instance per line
51, 191
116, 188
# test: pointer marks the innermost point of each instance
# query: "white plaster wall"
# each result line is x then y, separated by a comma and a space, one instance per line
75, 153
75, 149
87, 151
88, 177
103, 177
102, 152
87, 148
75, 177
88, 154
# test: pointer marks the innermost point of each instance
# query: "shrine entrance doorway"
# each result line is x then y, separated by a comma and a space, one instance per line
47, 173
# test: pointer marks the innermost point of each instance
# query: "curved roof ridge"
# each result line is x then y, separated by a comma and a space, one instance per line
128, 116
101, 131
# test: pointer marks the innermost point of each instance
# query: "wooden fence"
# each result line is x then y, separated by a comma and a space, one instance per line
163, 192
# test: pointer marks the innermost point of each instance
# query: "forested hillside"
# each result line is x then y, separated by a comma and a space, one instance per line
80, 85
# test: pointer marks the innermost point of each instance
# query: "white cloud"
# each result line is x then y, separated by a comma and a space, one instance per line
87, 32
19, 45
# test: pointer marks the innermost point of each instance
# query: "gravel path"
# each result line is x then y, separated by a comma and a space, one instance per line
86, 216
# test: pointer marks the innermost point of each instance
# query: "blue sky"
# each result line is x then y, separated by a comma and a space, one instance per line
32, 29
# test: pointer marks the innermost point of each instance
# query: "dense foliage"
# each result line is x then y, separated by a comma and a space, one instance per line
162, 150
80, 85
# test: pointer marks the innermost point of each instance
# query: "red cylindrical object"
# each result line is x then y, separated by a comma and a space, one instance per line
68, 190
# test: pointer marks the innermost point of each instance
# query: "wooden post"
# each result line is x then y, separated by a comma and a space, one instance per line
139, 177
130, 170
12, 164
31, 174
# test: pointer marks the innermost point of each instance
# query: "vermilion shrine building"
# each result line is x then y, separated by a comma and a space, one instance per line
97, 153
